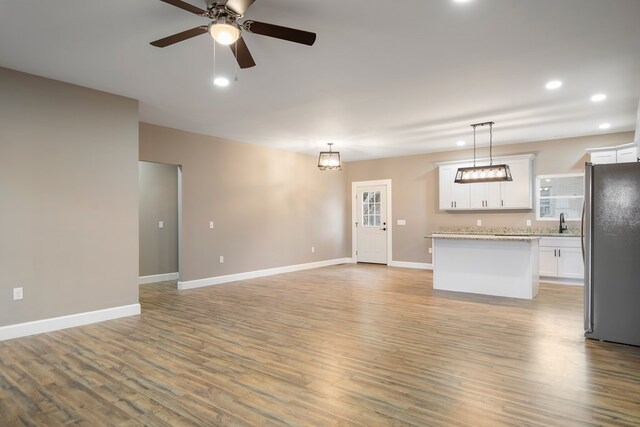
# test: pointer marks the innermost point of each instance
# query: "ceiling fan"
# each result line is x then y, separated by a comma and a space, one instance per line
225, 28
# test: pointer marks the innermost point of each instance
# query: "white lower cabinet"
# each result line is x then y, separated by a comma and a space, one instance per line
561, 257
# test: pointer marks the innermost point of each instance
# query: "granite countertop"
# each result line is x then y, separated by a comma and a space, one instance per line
452, 236
510, 231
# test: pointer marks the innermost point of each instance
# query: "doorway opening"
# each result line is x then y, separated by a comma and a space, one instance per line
160, 222
371, 237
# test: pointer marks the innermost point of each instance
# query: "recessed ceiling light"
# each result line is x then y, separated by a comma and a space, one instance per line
461, 143
553, 84
221, 81
599, 97
604, 126
462, 1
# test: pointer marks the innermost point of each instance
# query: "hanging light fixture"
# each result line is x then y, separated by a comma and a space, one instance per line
329, 160
491, 173
224, 30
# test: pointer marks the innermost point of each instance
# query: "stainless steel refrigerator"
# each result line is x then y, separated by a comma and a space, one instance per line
611, 230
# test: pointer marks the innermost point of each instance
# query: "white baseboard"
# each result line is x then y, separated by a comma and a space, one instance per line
64, 322
142, 280
417, 265
561, 281
210, 281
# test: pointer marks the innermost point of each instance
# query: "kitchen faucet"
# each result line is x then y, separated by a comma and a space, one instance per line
563, 226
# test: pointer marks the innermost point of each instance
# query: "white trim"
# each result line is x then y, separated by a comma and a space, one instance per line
210, 281
561, 281
416, 265
354, 216
486, 159
64, 322
142, 280
617, 147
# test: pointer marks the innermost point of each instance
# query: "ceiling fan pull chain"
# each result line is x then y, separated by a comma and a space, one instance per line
214, 61
237, 63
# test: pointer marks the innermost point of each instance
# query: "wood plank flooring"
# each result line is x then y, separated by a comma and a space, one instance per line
346, 345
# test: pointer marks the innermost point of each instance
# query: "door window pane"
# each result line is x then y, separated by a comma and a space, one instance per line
371, 216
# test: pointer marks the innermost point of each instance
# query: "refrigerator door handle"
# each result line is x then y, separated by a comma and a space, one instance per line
587, 249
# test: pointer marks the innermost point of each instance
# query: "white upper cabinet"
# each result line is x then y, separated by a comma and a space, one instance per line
627, 153
453, 196
516, 194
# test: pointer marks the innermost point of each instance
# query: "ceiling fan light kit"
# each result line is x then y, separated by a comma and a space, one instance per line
225, 29
490, 173
329, 160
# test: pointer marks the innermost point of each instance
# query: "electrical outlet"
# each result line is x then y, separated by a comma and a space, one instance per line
17, 294
430, 250
211, 224
160, 224
528, 223
402, 222
479, 222
221, 259
313, 249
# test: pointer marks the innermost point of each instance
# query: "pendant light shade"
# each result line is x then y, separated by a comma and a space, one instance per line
329, 160
495, 173
491, 173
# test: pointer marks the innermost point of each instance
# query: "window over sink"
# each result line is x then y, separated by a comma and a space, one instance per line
556, 194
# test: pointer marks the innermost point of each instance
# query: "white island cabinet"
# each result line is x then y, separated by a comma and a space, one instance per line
504, 266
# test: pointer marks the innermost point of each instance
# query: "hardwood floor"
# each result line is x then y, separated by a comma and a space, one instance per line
345, 345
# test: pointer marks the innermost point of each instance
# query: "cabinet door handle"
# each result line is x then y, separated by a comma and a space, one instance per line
559, 254
455, 204
555, 253
501, 202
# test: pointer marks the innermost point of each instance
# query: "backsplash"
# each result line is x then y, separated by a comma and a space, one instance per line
527, 231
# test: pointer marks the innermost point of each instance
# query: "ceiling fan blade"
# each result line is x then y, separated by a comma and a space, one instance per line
284, 33
239, 6
167, 41
186, 6
242, 54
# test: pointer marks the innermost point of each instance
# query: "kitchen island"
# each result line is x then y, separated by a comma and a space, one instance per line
505, 266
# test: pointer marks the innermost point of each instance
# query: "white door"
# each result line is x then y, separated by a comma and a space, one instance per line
371, 224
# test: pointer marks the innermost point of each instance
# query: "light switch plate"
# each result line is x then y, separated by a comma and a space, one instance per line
160, 224
430, 250
17, 294
528, 223
221, 259
313, 249
402, 222
479, 222
210, 224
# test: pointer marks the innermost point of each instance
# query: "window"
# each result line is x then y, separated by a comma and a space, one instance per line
558, 194
371, 209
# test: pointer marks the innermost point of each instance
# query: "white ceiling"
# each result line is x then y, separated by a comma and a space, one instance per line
383, 79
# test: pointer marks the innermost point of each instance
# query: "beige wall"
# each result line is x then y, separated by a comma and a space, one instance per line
415, 187
69, 198
269, 206
158, 188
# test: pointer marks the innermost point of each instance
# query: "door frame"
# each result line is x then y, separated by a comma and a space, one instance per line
354, 216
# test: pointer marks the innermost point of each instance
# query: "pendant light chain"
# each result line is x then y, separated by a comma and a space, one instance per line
491, 144
474, 146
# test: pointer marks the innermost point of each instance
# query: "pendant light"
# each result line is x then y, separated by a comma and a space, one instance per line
491, 173
329, 160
